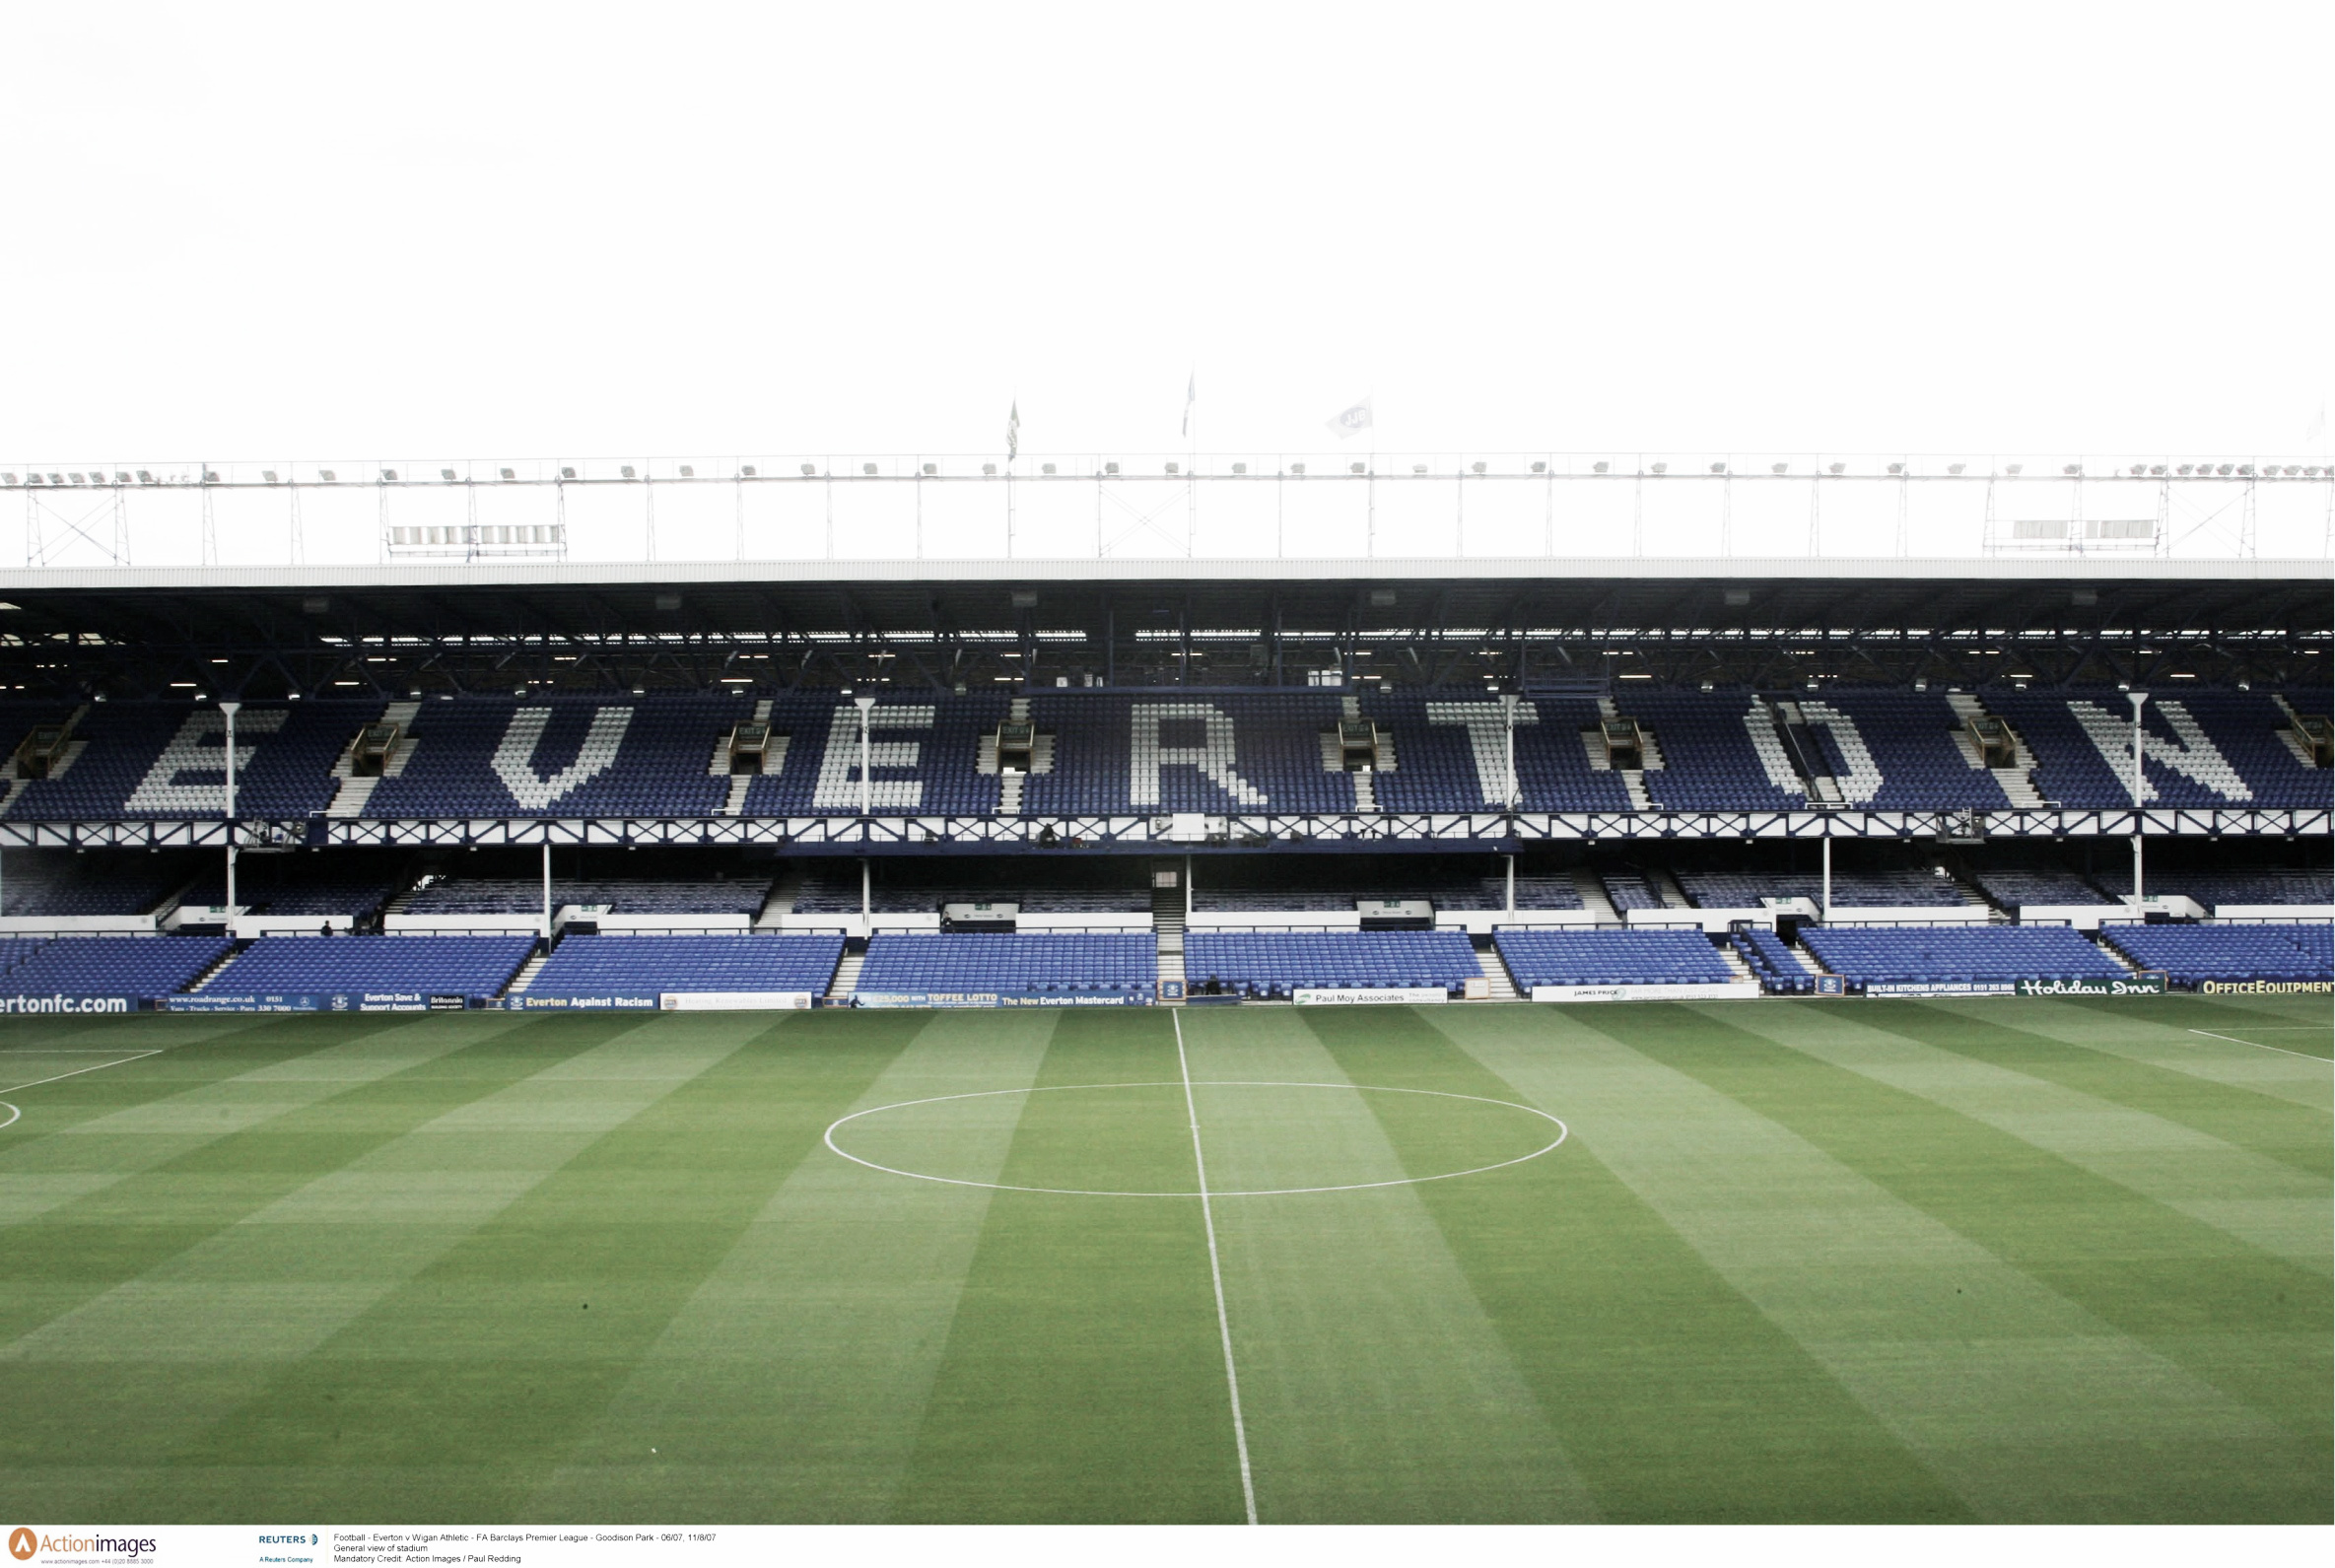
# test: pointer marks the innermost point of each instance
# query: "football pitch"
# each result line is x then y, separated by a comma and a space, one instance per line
1994, 1260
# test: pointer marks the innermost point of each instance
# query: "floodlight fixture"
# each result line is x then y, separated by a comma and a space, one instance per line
1110, 468
1956, 468
2292, 470
2224, 468
507, 473
2015, 469
2073, 471
1298, 469
388, 476
809, 470
447, 474
1173, 471
7, 479
1479, 467
1046, 468
1662, 468
866, 470
268, 474
2139, 469
1718, 468
1599, 466
990, 469
1418, 469
210, 476
1897, 468
78, 480
1840, 468
626, 471
2158, 470
1540, 468
1242, 468
566, 473
1353, 469
2246, 468
1779, 468
325, 474
2184, 468
688, 472
935, 468
121, 478
747, 472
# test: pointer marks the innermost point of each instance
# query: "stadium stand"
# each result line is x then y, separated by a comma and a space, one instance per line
1610, 958
2201, 748
1956, 955
482, 756
583, 966
2192, 954
1628, 890
1850, 889
1277, 963
148, 760
447, 966
1771, 959
918, 963
1450, 754
923, 756
1910, 759
2213, 889
1200, 752
138, 967
2015, 889
519, 896
58, 882
1711, 745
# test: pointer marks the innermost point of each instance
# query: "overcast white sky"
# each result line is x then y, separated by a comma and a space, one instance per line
249, 232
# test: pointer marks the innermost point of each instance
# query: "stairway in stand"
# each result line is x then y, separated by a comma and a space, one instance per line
1167, 921
847, 974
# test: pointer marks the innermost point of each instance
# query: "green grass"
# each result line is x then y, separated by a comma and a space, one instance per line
1888, 1261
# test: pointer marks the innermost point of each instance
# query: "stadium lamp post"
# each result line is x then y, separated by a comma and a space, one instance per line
229, 709
1826, 843
866, 809
2138, 697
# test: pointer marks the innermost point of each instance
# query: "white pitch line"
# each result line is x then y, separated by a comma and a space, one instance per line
14, 1111
2257, 1045
1232, 1377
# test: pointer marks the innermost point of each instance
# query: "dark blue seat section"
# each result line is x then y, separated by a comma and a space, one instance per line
1276, 963
2190, 954
1708, 759
1273, 752
2015, 889
442, 966
1437, 767
1628, 890
478, 895
61, 882
288, 750
2229, 740
1064, 962
658, 763
2216, 888
1610, 958
113, 965
1912, 890
944, 779
1770, 958
1955, 954
1909, 736
595, 966
293, 885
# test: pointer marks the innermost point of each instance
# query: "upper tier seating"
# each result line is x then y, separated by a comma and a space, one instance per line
1119, 753
1112, 963
1277, 963
431, 966
2201, 748
1450, 754
1958, 954
1711, 745
1610, 958
2190, 954
1162, 752
289, 885
1851, 890
597, 966
170, 760
113, 965
1894, 751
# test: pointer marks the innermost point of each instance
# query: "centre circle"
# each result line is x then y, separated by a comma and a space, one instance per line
916, 1138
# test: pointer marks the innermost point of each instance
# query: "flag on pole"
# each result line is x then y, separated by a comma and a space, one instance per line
1350, 420
1014, 432
1191, 391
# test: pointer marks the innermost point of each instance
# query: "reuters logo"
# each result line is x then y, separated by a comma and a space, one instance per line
22, 1544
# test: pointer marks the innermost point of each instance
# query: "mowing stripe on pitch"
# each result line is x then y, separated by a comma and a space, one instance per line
1232, 1377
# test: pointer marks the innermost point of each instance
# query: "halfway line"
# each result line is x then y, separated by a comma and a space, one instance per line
1232, 1377
2258, 1045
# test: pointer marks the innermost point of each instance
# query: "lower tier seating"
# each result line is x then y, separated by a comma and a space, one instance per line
649, 966
112, 966
1958, 954
2192, 954
1770, 958
433, 966
1610, 958
1277, 963
915, 962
